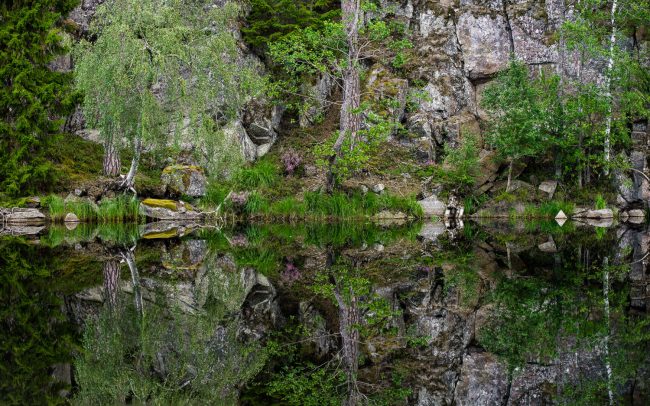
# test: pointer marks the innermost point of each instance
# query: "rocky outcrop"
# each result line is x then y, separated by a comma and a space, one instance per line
318, 94
387, 94
188, 180
483, 381
261, 120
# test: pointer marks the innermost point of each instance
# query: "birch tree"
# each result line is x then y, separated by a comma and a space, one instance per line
161, 69
608, 84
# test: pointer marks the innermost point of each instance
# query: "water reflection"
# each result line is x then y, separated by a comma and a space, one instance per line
329, 314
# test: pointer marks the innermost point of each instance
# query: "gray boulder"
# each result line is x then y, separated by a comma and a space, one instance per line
186, 180
593, 214
548, 187
432, 206
378, 188
159, 209
431, 231
549, 246
22, 216
71, 218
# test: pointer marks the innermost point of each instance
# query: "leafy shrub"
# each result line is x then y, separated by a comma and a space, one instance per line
463, 163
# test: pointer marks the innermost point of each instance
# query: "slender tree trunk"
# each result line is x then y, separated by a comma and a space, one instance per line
608, 364
349, 319
580, 170
112, 162
129, 181
560, 92
111, 282
350, 120
509, 175
608, 87
127, 255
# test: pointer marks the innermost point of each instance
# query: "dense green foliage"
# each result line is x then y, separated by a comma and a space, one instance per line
580, 122
516, 128
33, 99
148, 358
337, 205
34, 335
271, 20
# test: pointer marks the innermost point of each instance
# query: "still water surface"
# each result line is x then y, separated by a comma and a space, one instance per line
327, 314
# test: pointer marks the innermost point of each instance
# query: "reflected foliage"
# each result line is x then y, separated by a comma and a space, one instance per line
34, 335
167, 356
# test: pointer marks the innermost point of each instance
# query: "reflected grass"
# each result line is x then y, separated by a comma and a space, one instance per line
117, 233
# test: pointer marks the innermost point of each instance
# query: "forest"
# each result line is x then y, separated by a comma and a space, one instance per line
295, 109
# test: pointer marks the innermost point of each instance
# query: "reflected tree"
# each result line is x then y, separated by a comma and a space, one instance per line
576, 315
361, 314
164, 354
111, 282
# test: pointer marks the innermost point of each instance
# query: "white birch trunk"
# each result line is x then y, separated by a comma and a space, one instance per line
608, 86
129, 181
608, 364
135, 278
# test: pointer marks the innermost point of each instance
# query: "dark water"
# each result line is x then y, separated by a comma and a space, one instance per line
327, 314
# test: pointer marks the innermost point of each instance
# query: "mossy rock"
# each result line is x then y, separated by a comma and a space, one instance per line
162, 203
162, 234
188, 180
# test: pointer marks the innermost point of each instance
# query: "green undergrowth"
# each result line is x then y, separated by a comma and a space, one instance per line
263, 175
317, 205
546, 210
116, 210
270, 198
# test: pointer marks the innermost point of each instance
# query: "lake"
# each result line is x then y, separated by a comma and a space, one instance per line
327, 314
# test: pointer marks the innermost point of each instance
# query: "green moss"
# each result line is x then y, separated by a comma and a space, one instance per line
162, 203
161, 235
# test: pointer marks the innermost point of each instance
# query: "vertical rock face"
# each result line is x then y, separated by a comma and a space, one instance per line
483, 381
484, 44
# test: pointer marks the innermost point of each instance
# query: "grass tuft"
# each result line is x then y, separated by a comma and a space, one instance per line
119, 210
116, 210
263, 175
